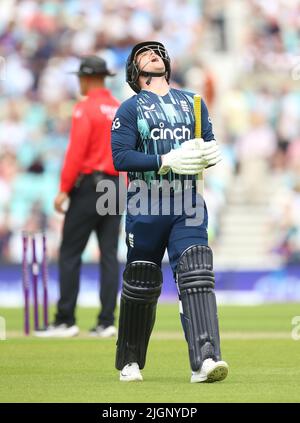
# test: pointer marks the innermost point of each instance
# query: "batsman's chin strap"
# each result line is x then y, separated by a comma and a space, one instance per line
150, 75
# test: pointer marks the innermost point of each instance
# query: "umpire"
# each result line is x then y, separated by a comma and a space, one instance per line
88, 159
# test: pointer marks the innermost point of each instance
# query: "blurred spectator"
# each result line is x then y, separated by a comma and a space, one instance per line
254, 150
286, 217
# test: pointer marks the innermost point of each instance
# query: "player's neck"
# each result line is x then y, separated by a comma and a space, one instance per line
157, 85
96, 86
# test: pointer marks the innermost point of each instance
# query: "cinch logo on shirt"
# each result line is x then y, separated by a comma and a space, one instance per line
168, 133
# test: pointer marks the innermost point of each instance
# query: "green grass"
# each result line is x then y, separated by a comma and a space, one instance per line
82, 369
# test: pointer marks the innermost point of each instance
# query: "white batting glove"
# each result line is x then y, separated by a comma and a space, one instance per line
210, 150
211, 153
183, 161
193, 144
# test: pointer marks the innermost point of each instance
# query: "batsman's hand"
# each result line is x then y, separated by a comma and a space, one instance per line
211, 153
61, 202
210, 150
183, 161
193, 144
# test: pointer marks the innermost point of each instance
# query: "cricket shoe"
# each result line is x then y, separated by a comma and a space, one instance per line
211, 371
131, 373
104, 332
58, 331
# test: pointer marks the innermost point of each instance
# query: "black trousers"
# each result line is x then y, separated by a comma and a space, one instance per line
80, 221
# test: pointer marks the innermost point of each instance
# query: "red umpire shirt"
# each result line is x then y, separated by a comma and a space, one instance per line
89, 147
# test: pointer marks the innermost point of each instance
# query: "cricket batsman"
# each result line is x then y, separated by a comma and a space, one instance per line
153, 139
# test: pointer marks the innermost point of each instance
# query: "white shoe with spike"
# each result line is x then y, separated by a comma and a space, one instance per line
211, 371
131, 373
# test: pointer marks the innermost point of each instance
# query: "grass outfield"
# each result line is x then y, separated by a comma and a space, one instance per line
264, 362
